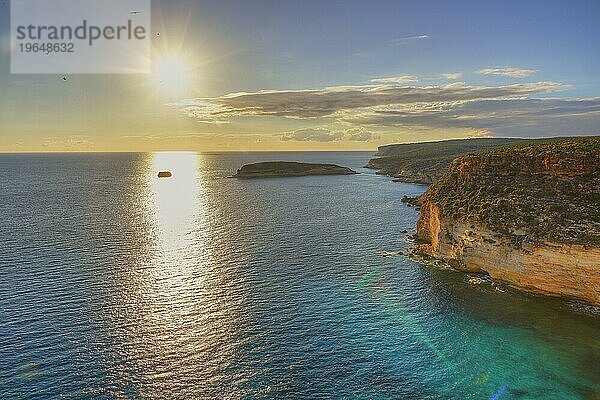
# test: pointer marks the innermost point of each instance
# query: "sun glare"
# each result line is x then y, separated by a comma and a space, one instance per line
172, 76
176, 202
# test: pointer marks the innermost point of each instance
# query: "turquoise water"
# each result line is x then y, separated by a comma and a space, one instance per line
117, 284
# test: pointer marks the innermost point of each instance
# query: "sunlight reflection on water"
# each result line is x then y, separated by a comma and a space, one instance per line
176, 209
177, 203
191, 297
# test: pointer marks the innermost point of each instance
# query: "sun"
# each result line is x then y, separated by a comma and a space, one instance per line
172, 76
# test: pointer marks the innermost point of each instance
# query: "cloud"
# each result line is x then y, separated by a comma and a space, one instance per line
408, 39
313, 135
359, 135
328, 102
396, 79
327, 135
507, 71
452, 75
507, 109
50, 140
529, 117
201, 111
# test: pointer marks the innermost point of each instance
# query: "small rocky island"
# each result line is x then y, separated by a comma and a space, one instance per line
528, 216
275, 169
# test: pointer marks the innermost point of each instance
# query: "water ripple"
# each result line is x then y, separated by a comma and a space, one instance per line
115, 284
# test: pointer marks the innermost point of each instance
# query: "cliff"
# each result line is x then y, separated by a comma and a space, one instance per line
274, 169
426, 162
528, 216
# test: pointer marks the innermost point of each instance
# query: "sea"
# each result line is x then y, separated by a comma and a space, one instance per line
117, 284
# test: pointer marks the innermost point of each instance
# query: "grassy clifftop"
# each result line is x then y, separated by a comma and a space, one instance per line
542, 192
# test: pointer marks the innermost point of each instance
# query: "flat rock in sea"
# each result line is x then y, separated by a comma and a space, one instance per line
274, 169
165, 174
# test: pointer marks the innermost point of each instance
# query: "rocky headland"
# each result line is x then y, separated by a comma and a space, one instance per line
426, 162
528, 216
275, 169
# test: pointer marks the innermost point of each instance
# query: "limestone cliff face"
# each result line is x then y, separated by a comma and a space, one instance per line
528, 217
566, 270
427, 162
578, 163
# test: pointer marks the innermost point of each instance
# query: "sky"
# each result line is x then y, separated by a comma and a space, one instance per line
322, 75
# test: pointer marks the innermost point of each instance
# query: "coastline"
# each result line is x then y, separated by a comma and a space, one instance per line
523, 215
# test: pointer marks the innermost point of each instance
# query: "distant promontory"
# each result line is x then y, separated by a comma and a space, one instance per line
275, 169
426, 162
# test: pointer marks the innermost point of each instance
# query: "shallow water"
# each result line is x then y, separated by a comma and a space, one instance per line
117, 284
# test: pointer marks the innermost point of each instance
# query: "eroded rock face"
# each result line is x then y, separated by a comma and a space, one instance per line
555, 269
426, 162
526, 216
578, 163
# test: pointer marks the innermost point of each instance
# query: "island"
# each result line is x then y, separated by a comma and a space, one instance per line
528, 216
275, 169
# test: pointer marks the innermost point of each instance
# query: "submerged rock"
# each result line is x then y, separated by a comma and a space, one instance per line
412, 201
274, 169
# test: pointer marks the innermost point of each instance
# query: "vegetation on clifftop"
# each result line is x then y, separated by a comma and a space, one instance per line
545, 192
426, 162
273, 169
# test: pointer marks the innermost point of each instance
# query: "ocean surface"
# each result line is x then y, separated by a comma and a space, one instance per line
115, 284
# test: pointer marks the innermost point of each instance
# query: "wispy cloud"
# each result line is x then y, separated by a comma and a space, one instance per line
396, 79
326, 135
507, 116
312, 135
508, 71
359, 113
408, 39
452, 75
359, 135
325, 102
67, 142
